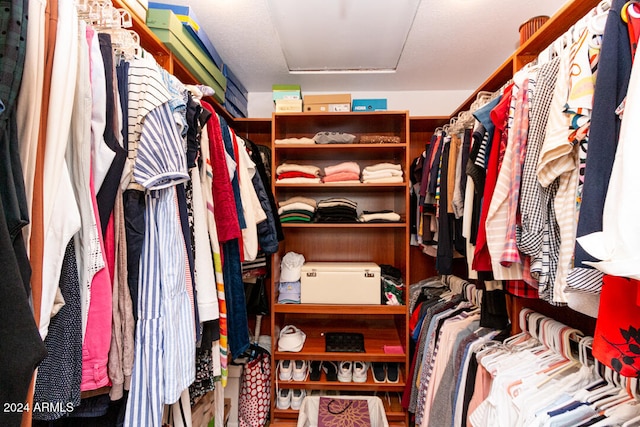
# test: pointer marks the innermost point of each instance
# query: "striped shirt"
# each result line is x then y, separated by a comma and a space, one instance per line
496, 223
165, 331
559, 162
520, 130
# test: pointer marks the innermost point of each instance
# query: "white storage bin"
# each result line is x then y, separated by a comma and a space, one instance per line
340, 283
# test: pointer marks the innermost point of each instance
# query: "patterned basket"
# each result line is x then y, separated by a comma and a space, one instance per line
531, 26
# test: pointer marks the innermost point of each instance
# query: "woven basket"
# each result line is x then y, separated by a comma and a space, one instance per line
531, 26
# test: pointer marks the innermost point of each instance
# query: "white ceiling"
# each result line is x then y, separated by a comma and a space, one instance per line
452, 44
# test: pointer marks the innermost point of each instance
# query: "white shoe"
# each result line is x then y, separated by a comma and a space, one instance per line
345, 372
300, 370
284, 398
296, 398
360, 370
285, 370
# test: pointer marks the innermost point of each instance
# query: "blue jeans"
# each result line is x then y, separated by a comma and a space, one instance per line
237, 324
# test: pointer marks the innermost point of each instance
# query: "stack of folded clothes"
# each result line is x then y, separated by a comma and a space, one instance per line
333, 138
293, 141
379, 216
297, 209
345, 172
337, 209
382, 173
291, 173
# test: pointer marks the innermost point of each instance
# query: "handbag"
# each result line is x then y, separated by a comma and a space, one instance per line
254, 401
255, 293
343, 413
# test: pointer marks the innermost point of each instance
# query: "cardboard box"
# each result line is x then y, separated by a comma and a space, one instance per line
286, 92
288, 105
188, 18
369, 105
328, 103
169, 29
340, 283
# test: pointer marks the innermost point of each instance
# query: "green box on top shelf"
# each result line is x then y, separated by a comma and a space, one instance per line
169, 29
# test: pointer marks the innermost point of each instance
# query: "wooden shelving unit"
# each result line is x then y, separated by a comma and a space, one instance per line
382, 243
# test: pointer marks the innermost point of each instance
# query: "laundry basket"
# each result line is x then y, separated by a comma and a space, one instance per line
308, 415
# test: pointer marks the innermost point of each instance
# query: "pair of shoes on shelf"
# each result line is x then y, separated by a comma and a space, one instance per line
296, 370
330, 370
290, 398
385, 372
353, 371
315, 370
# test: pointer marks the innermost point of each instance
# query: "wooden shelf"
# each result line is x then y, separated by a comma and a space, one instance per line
334, 147
368, 386
289, 419
378, 332
342, 308
354, 225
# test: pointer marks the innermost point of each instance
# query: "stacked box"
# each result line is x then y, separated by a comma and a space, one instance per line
286, 92
169, 29
369, 105
288, 105
188, 18
334, 103
236, 96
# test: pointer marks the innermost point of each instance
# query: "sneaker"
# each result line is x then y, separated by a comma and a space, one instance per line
345, 372
392, 373
284, 398
360, 372
379, 370
296, 398
285, 370
300, 370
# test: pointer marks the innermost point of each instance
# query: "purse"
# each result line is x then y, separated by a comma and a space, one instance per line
343, 413
255, 293
351, 342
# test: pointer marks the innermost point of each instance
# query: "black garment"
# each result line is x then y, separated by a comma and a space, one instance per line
106, 196
268, 229
21, 348
183, 210
478, 175
444, 257
205, 379
60, 373
466, 148
493, 312
195, 120
134, 205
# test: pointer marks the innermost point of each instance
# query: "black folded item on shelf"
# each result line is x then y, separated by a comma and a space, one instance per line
350, 342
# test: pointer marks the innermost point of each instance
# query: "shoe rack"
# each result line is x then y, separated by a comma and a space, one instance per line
381, 243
